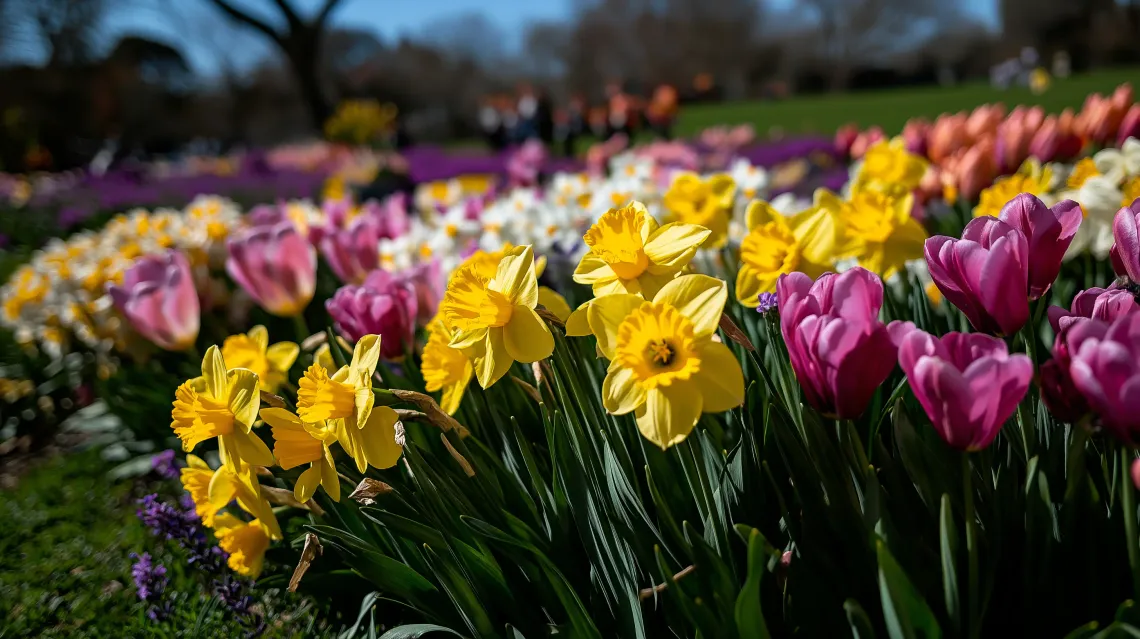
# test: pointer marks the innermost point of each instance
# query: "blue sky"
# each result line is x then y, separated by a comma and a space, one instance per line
197, 29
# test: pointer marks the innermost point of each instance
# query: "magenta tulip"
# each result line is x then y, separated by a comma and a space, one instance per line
352, 252
274, 264
1061, 397
1106, 370
384, 305
1125, 252
1048, 231
1095, 303
429, 283
985, 274
839, 349
967, 383
159, 300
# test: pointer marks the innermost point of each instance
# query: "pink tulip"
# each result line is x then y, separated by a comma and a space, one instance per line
275, 265
1049, 231
1061, 397
985, 274
984, 120
1129, 125
839, 349
1106, 370
947, 136
972, 169
968, 383
385, 305
1095, 303
158, 298
429, 284
1125, 253
914, 134
525, 164
845, 137
351, 249
866, 140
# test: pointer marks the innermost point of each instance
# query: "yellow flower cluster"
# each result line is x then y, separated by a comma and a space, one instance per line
224, 403
60, 293
360, 121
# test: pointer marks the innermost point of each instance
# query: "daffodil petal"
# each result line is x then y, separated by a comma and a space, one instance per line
260, 337
214, 372
252, 450
760, 212
307, 484
494, 362
222, 487
620, 391
651, 282
720, 380
593, 269
748, 286
673, 245
379, 438
554, 302
194, 461
527, 337
467, 339
244, 397
699, 297
366, 354
282, 355
669, 413
578, 324
605, 314
516, 278
329, 479
280, 418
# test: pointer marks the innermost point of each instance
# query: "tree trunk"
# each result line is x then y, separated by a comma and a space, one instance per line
302, 50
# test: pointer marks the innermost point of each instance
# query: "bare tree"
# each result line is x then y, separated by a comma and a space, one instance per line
301, 41
66, 28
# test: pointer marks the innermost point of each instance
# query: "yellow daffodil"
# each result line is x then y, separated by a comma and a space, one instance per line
1030, 178
212, 490
706, 203
1082, 171
445, 368
881, 233
252, 351
221, 403
1131, 191
244, 542
775, 245
629, 253
486, 263
665, 366
889, 167
497, 316
345, 400
296, 443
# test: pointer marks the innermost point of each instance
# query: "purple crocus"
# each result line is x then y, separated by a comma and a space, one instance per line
150, 583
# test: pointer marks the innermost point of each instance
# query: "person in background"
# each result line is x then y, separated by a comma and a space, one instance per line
620, 111
510, 119
575, 124
544, 119
662, 111
599, 122
527, 113
491, 123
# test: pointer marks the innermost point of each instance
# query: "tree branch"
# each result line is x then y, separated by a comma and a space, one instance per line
243, 17
291, 17
323, 15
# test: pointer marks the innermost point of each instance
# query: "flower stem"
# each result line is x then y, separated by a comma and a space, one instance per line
971, 547
301, 327
1128, 506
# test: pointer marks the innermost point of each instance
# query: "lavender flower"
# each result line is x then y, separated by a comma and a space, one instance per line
151, 581
768, 302
164, 465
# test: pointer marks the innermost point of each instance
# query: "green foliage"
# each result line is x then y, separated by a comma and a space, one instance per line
66, 535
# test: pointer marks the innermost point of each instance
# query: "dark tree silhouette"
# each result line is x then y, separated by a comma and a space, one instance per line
301, 41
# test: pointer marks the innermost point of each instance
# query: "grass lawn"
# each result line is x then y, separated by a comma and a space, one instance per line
890, 109
66, 534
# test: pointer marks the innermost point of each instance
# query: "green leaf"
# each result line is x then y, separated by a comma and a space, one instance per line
857, 619
416, 630
749, 614
906, 612
948, 543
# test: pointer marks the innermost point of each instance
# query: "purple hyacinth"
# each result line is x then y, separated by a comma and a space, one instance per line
768, 302
164, 466
150, 582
